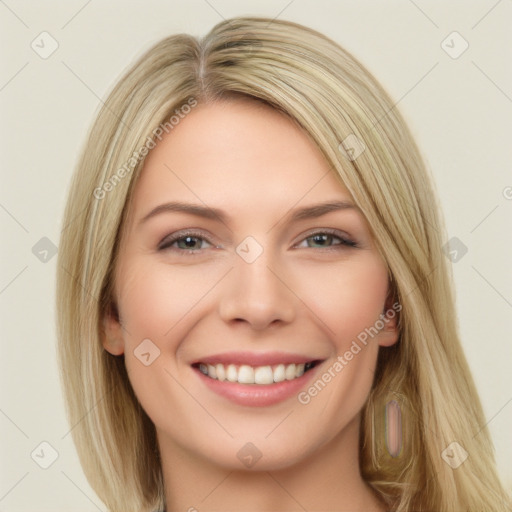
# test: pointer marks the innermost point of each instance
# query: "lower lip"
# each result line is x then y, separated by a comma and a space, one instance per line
257, 395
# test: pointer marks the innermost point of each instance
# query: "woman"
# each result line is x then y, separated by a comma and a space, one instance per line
255, 311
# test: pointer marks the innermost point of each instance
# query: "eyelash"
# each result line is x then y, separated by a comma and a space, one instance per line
166, 244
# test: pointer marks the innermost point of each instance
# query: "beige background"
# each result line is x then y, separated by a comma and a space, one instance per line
458, 108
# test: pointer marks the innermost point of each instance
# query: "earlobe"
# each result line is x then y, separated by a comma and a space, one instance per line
390, 331
112, 333
388, 336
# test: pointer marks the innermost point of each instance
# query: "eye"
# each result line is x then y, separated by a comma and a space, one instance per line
186, 242
327, 239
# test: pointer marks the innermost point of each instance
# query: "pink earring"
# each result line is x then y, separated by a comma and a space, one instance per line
393, 428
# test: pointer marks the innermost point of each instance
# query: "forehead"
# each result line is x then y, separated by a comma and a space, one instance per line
236, 152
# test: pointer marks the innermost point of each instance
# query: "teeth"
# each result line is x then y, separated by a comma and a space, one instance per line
245, 374
212, 372
221, 373
231, 373
290, 372
279, 373
263, 375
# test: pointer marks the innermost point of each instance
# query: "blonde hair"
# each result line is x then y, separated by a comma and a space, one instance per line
331, 96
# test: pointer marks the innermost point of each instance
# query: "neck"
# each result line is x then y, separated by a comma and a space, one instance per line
328, 479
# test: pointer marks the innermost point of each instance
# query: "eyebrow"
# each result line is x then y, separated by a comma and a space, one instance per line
309, 212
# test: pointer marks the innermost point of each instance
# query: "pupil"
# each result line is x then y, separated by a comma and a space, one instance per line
190, 242
321, 239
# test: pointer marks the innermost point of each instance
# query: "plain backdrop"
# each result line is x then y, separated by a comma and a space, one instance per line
459, 107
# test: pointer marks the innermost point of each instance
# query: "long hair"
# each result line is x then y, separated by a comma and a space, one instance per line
359, 130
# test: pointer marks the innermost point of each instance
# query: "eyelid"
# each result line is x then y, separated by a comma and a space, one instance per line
168, 240
345, 238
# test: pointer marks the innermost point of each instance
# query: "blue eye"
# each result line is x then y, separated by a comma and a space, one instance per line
326, 239
189, 242
193, 242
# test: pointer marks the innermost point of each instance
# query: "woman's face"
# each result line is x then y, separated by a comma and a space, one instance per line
245, 258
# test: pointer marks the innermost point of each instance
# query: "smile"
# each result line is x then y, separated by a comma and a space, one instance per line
257, 379
259, 375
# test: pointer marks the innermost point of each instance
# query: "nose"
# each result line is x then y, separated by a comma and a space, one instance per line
257, 294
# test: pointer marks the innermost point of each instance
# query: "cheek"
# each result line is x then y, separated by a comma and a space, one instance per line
154, 300
351, 300
348, 298
156, 303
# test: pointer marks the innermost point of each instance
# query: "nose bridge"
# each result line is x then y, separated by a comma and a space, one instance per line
254, 292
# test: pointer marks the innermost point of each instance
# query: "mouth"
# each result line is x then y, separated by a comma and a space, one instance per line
256, 379
264, 375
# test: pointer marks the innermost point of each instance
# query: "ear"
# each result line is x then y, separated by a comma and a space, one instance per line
112, 334
389, 334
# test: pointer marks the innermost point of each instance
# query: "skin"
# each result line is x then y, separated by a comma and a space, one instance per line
303, 295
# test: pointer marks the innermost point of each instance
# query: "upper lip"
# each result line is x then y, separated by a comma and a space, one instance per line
256, 358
